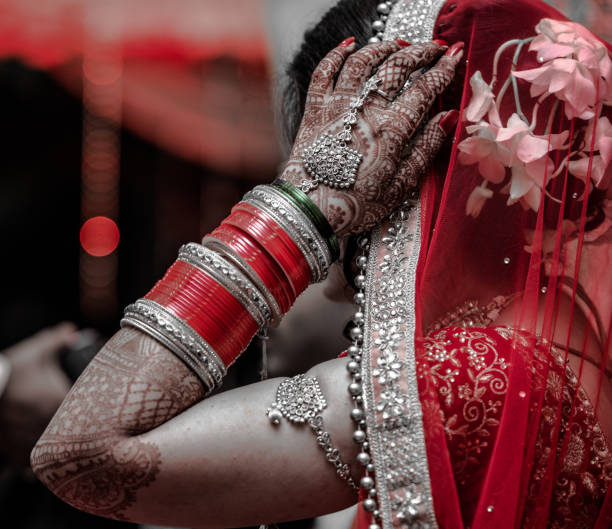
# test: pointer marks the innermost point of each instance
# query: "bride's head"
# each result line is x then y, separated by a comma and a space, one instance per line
345, 19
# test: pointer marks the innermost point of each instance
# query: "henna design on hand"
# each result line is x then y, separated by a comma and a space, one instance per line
90, 454
382, 131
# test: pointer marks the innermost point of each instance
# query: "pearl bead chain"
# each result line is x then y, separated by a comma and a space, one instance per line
378, 26
355, 388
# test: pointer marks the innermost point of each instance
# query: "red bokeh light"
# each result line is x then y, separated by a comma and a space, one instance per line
99, 236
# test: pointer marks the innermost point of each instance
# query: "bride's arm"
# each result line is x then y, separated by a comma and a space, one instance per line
114, 448
132, 439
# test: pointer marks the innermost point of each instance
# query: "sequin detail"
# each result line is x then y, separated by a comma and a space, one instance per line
393, 408
572, 463
413, 20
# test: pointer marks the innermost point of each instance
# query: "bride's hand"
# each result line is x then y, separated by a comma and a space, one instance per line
383, 129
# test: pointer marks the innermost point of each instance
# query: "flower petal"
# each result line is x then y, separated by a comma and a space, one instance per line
482, 98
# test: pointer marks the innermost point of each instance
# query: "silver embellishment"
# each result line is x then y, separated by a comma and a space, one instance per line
412, 20
394, 415
156, 321
232, 257
329, 160
301, 401
230, 278
301, 230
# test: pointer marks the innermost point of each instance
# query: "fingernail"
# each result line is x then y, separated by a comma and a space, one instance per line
347, 42
403, 43
454, 49
448, 122
440, 42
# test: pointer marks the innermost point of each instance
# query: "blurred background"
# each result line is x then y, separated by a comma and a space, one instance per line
128, 128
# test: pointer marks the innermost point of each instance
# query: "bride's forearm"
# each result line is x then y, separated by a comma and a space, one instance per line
177, 343
91, 455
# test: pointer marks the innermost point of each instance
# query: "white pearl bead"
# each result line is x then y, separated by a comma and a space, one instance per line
352, 367
355, 389
362, 261
367, 483
378, 25
363, 458
357, 414
369, 504
359, 436
360, 281
275, 416
356, 333
383, 8
359, 317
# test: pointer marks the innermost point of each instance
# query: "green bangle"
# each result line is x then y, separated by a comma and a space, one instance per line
310, 209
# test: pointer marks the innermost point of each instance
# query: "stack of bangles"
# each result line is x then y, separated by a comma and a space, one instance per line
242, 279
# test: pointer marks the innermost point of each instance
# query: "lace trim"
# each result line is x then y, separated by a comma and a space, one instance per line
393, 409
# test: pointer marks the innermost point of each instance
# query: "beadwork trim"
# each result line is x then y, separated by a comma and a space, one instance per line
230, 277
412, 20
156, 321
393, 408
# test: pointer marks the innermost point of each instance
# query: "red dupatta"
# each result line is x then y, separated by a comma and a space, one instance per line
511, 227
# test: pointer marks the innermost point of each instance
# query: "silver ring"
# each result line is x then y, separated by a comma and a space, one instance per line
385, 95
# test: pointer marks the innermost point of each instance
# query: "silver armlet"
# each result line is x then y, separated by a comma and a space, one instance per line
300, 400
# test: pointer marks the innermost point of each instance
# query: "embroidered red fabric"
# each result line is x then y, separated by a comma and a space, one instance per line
516, 410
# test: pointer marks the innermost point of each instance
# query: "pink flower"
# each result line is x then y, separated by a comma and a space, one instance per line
530, 163
576, 67
482, 99
601, 168
482, 147
477, 200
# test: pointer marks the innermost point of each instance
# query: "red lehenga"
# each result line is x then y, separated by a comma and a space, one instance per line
474, 424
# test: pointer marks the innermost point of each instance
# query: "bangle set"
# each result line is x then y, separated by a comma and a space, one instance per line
243, 278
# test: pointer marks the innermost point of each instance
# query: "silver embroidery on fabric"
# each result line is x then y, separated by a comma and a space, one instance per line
393, 409
413, 20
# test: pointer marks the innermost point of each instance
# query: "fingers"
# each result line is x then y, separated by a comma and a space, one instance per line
359, 66
49, 342
413, 104
397, 68
322, 80
424, 149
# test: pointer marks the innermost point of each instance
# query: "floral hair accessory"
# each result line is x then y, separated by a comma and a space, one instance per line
576, 71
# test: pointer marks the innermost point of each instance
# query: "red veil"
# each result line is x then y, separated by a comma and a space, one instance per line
492, 292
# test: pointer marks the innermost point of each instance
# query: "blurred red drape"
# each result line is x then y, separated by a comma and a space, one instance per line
194, 73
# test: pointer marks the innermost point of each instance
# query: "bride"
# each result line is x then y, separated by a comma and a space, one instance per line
476, 392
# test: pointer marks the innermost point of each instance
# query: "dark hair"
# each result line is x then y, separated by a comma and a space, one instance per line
348, 18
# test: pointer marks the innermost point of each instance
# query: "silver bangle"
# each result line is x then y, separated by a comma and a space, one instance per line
159, 323
298, 227
230, 278
230, 255
301, 401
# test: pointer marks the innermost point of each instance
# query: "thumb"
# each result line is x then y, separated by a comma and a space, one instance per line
425, 147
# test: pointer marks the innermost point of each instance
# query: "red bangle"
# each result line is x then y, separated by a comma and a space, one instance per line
178, 293
207, 307
276, 242
263, 265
